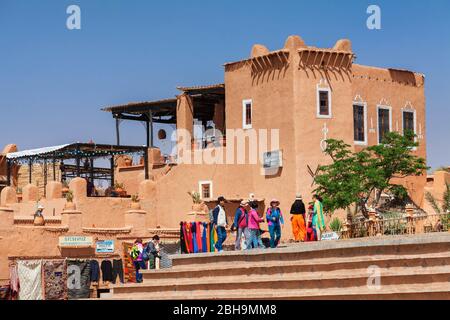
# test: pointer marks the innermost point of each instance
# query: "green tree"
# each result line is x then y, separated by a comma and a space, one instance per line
355, 177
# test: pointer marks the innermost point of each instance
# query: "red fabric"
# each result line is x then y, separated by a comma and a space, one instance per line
199, 237
186, 237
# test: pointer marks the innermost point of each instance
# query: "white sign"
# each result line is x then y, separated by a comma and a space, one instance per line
75, 241
273, 159
330, 236
105, 246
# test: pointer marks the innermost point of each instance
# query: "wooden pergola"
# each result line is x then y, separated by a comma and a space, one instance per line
165, 111
77, 152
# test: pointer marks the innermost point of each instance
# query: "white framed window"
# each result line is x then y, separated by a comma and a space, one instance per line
360, 123
205, 188
409, 122
247, 113
384, 121
323, 102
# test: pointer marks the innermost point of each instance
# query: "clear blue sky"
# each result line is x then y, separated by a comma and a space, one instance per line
51, 77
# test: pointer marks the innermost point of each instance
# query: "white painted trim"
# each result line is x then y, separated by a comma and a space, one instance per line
328, 90
244, 110
378, 120
413, 111
364, 105
200, 184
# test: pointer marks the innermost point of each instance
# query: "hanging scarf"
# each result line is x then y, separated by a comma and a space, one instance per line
182, 241
212, 249
194, 237
199, 237
204, 240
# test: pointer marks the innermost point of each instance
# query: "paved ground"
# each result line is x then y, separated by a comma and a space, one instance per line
440, 237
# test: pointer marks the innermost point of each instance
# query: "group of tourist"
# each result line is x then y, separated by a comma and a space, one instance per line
306, 225
145, 257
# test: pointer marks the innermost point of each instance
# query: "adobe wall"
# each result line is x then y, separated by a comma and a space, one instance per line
270, 86
397, 89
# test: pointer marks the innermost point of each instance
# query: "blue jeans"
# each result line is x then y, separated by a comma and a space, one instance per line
275, 235
252, 241
222, 236
138, 265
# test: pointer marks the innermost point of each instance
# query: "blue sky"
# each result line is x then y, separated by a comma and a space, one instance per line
51, 77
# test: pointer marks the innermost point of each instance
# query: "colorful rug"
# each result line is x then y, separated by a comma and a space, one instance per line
55, 279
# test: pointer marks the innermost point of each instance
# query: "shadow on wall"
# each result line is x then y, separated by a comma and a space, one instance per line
403, 76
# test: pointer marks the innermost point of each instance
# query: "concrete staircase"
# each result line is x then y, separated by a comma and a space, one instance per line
411, 267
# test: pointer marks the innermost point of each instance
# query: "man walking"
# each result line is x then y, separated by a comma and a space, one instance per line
220, 221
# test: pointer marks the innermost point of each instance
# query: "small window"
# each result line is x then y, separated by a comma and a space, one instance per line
359, 123
323, 103
205, 189
247, 114
384, 122
408, 121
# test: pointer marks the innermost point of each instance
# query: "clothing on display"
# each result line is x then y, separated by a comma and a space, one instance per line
197, 237
95, 271
30, 279
117, 271
55, 279
78, 279
107, 271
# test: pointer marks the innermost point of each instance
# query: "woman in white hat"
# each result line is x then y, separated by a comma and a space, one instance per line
39, 210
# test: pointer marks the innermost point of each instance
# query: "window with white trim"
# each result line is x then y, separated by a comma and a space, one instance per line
409, 121
360, 123
247, 113
323, 102
205, 190
384, 122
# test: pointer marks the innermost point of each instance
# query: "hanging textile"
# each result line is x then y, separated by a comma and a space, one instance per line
189, 235
199, 237
5, 292
107, 271
78, 279
204, 238
212, 248
186, 237
194, 237
208, 236
14, 280
182, 239
55, 279
30, 279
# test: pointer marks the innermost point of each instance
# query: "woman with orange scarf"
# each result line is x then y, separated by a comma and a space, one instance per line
298, 212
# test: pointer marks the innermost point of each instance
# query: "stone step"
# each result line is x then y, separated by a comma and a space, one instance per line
304, 280
436, 290
400, 246
286, 267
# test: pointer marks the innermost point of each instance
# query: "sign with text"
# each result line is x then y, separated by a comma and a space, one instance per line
75, 241
330, 236
105, 246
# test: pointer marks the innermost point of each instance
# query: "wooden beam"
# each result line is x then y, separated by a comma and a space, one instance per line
147, 176
8, 172
118, 131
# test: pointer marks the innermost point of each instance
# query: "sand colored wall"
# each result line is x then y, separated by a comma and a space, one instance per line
399, 90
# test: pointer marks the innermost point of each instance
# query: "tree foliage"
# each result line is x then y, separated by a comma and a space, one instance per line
355, 177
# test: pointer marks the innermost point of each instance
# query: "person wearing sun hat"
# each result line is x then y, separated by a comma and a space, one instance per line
240, 223
275, 220
39, 210
298, 213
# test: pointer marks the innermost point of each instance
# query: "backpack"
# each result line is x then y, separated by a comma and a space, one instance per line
241, 218
134, 253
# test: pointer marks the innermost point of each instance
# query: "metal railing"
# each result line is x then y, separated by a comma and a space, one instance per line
401, 225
